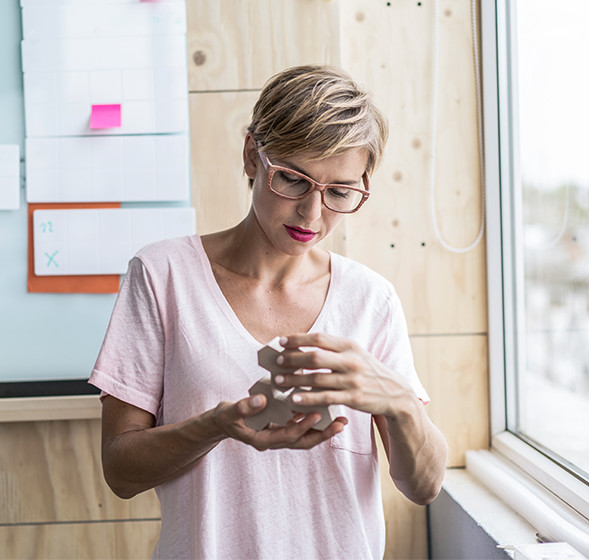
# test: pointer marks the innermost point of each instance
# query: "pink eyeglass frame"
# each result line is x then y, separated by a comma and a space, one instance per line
321, 187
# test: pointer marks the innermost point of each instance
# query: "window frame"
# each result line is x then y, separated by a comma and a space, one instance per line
504, 257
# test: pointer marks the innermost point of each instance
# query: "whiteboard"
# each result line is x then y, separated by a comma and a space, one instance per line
43, 337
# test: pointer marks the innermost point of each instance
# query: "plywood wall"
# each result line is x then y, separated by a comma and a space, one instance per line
55, 503
389, 47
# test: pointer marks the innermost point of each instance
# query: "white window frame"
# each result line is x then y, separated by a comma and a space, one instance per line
503, 266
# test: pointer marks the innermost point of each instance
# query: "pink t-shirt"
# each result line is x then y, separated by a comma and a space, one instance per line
175, 348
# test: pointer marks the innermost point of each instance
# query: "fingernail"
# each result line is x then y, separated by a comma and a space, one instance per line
279, 379
280, 360
257, 401
283, 341
297, 398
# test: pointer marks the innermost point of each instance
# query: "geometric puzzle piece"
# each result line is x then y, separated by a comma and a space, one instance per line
277, 411
280, 408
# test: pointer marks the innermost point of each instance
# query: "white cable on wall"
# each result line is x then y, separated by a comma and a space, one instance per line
436, 57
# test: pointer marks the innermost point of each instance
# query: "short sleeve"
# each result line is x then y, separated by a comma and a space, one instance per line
130, 365
394, 348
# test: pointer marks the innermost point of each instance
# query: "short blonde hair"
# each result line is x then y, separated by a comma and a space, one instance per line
317, 110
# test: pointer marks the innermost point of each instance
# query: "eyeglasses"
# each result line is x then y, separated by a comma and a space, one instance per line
293, 185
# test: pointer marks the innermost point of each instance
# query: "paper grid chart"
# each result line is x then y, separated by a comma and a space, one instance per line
9, 177
76, 18
106, 115
24, 3
105, 169
72, 242
146, 75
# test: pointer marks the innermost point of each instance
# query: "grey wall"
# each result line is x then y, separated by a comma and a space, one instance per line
454, 535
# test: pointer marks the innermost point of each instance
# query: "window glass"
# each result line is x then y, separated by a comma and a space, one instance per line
552, 217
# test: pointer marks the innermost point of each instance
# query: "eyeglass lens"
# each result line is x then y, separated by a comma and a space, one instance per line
336, 197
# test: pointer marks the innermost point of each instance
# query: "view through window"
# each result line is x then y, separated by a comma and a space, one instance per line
551, 221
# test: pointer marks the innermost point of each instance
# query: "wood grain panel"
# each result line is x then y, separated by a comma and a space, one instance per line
239, 44
27, 409
52, 472
218, 125
453, 369
390, 50
131, 540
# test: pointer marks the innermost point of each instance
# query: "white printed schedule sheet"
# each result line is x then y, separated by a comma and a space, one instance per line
106, 118
86, 242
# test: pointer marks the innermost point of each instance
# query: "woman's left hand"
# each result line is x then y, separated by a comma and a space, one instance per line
356, 378
416, 449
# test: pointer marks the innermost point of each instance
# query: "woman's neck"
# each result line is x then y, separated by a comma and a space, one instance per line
246, 251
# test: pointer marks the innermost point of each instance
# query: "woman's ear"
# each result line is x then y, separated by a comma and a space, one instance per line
250, 156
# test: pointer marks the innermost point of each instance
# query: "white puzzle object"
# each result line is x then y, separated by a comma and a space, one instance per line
280, 408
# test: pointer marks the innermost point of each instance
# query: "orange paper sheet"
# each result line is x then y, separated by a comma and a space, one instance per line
91, 284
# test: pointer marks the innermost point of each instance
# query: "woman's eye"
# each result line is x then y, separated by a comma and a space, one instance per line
338, 193
288, 178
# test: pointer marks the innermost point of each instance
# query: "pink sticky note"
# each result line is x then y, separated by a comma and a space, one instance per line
105, 116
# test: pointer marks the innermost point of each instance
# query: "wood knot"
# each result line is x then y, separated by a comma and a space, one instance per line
199, 58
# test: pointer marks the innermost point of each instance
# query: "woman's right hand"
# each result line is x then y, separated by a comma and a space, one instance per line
138, 455
297, 434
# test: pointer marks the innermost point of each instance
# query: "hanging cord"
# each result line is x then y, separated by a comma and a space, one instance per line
446, 245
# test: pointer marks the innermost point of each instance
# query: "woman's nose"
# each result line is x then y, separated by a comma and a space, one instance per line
311, 206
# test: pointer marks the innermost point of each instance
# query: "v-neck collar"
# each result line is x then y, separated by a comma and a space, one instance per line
229, 312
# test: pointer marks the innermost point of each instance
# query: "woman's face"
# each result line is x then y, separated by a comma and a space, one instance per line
295, 226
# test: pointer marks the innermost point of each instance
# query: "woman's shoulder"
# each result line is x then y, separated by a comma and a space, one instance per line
354, 273
174, 252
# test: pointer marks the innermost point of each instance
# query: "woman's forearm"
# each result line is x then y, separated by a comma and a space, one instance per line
143, 457
417, 452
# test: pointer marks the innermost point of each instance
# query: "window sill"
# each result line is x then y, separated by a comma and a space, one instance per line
550, 517
550, 475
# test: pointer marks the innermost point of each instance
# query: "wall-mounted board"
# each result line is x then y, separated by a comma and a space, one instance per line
52, 339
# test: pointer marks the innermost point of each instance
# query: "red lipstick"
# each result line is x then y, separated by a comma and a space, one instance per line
298, 234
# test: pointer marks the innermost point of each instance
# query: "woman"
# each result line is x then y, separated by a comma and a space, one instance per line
181, 352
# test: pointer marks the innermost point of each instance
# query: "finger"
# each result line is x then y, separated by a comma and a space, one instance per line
284, 436
228, 413
317, 340
315, 437
316, 380
295, 430
317, 399
320, 359
251, 405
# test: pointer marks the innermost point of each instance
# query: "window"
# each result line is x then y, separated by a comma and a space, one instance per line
536, 98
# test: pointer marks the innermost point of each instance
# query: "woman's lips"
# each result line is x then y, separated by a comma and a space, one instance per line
302, 235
